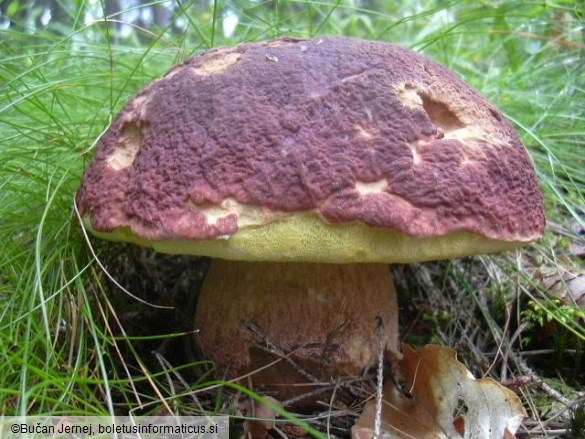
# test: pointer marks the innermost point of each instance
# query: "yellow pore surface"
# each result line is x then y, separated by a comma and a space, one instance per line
307, 238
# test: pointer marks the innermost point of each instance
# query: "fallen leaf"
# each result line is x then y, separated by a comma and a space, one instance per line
443, 401
569, 288
262, 417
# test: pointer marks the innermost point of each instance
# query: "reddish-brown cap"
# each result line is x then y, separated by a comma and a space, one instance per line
331, 149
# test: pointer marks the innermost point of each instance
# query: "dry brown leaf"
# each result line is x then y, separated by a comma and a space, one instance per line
568, 287
446, 402
262, 417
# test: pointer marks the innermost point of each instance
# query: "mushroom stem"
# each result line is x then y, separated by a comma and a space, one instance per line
321, 317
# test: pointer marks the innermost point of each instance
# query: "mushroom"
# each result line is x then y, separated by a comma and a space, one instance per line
305, 167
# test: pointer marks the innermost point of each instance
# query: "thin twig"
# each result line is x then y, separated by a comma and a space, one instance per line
342, 383
297, 399
546, 352
272, 348
544, 386
379, 380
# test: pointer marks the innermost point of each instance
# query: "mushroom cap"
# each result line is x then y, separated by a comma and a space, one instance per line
324, 150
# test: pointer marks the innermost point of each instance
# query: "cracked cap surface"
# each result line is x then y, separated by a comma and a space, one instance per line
329, 150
